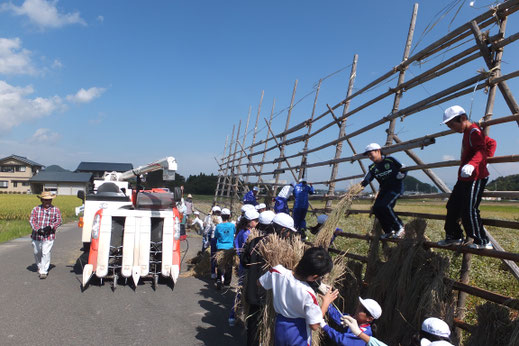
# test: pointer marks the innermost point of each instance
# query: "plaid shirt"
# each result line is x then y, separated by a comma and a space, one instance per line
41, 218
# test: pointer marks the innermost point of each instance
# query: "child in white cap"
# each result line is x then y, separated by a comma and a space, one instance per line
224, 235
435, 332
367, 311
386, 169
295, 302
254, 263
472, 178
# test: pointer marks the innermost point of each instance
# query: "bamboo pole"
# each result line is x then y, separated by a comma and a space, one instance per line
282, 147
503, 86
434, 178
401, 75
215, 200
233, 175
245, 187
342, 130
310, 122
227, 167
266, 143
254, 137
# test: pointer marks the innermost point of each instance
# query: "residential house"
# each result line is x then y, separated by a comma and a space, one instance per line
60, 181
15, 173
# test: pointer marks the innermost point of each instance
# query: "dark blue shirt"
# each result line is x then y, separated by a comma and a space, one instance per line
249, 198
386, 172
301, 192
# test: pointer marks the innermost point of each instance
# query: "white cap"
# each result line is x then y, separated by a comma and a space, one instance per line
251, 214
427, 342
196, 212
435, 326
189, 195
284, 220
226, 211
255, 188
372, 306
452, 112
216, 208
266, 217
371, 147
261, 206
246, 207
322, 219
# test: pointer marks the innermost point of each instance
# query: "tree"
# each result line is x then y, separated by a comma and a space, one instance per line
413, 184
508, 183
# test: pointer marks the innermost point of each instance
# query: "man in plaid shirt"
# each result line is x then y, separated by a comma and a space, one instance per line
45, 219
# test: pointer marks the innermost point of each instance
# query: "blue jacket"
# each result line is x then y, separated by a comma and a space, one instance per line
224, 234
240, 240
249, 198
281, 205
344, 337
386, 172
301, 192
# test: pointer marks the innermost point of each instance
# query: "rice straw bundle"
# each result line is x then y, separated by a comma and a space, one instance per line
409, 287
225, 258
198, 266
325, 235
276, 250
494, 326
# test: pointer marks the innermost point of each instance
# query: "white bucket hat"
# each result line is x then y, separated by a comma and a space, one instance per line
246, 207
284, 220
226, 211
435, 326
372, 306
371, 147
266, 217
451, 113
216, 208
261, 206
251, 214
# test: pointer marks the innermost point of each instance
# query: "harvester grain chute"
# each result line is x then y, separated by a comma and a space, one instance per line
132, 233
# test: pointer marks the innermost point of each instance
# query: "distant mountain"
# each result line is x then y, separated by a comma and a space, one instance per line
508, 183
411, 184
55, 168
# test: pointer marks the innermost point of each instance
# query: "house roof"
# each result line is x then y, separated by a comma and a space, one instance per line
22, 159
60, 177
103, 167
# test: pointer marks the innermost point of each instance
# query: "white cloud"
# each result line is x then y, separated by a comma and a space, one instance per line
100, 19
44, 136
44, 14
13, 58
84, 96
16, 107
57, 64
448, 158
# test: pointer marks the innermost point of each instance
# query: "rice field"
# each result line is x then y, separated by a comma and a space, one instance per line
15, 211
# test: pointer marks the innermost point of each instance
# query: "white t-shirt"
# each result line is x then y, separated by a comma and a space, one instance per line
286, 191
292, 298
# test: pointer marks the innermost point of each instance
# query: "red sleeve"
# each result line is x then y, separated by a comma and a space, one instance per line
33, 219
477, 147
491, 145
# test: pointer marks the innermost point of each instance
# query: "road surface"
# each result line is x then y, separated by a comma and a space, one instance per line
56, 312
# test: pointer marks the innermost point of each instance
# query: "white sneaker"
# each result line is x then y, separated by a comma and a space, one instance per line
400, 233
448, 241
487, 246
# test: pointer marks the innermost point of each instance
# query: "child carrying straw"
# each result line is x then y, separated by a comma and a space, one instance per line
295, 302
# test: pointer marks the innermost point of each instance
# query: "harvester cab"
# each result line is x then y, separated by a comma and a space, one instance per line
132, 233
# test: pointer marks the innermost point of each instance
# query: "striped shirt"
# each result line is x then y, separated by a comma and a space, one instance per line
43, 217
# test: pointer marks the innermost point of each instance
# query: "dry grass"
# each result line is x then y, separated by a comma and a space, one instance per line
324, 237
494, 327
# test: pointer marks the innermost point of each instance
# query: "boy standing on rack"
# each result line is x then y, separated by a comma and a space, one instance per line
472, 177
386, 170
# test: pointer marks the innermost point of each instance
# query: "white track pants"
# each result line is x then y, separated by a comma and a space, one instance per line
42, 254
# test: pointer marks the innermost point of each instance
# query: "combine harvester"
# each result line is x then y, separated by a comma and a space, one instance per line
132, 233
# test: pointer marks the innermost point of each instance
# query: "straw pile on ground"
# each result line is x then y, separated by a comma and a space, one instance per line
198, 266
410, 287
324, 237
494, 327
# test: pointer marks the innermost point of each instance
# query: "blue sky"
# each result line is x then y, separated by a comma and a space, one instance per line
134, 81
